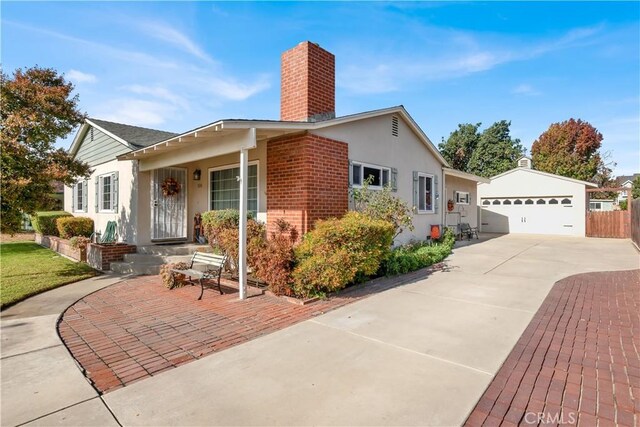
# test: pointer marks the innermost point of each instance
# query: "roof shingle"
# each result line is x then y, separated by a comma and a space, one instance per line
135, 135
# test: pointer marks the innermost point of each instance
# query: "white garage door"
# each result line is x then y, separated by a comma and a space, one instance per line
532, 215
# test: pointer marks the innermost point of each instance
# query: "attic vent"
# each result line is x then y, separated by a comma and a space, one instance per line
394, 126
91, 134
524, 163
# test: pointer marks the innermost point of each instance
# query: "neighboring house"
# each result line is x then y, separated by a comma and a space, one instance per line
524, 200
598, 205
299, 168
625, 181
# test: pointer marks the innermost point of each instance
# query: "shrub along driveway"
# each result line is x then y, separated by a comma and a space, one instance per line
418, 354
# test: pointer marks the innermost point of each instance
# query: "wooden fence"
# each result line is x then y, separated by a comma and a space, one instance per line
616, 224
635, 221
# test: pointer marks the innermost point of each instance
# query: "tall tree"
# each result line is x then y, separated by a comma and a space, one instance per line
570, 149
457, 149
36, 108
496, 152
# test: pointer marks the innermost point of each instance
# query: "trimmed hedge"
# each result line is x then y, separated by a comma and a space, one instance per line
340, 251
73, 226
45, 222
411, 257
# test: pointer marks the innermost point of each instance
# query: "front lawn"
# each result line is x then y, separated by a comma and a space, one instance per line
27, 269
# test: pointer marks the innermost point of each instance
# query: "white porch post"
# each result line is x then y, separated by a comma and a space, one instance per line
242, 253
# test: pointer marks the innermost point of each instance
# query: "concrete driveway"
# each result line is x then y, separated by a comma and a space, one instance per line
419, 354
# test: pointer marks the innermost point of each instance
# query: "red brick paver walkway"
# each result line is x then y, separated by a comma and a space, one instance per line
138, 328
577, 362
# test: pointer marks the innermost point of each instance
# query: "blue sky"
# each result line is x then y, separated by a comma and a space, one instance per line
177, 65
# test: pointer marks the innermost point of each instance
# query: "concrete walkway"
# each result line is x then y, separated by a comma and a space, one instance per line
418, 354
39, 377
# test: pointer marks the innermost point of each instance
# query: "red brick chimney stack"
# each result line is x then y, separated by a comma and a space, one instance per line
308, 84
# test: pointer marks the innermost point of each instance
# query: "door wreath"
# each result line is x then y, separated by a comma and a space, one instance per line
170, 187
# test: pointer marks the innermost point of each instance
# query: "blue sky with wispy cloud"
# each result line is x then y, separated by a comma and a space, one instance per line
177, 65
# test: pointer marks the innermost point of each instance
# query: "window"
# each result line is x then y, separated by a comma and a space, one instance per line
486, 202
517, 202
106, 197
79, 197
496, 202
528, 202
553, 202
378, 176
462, 197
425, 193
541, 202
507, 202
566, 202
225, 188
595, 205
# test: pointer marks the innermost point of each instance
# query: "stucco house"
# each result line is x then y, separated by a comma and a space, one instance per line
625, 181
524, 200
299, 168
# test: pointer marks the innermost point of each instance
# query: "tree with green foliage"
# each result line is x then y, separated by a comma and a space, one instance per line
457, 149
496, 151
635, 188
36, 108
571, 149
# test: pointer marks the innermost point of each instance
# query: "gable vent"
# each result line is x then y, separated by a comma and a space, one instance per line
524, 162
394, 126
91, 134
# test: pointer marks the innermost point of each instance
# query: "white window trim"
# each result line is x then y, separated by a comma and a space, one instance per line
457, 198
369, 165
231, 166
433, 193
75, 197
101, 195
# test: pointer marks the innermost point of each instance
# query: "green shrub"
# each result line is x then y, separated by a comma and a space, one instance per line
72, 226
45, 222
340, 251
79, 242
411, 257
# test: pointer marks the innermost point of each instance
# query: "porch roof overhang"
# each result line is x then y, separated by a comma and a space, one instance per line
215, 139
465, 175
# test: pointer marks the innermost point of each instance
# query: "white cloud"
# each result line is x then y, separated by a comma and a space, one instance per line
136, 112
525, 89
233, 90
171, 35
377, 72
158, 92
80, 77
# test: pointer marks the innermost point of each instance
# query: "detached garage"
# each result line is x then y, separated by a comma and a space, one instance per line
528, 201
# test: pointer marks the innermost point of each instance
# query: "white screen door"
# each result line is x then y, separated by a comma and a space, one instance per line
169, 213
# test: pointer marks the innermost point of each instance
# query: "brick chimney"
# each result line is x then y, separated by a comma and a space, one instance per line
308, 84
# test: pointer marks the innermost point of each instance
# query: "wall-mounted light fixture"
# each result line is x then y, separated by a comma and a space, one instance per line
196, 175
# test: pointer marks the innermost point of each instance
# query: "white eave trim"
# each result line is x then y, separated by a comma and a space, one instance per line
465, 175
300, 126
550, 175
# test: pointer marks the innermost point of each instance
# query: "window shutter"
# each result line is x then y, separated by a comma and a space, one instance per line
114, 191
74, 194
394, 179
85, 195
415, 189
436, 202
350, 173
98, 182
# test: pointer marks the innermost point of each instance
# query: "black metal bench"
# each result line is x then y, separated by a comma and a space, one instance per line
213, 265
467, 230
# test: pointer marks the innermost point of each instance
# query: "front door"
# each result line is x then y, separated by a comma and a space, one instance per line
169, 204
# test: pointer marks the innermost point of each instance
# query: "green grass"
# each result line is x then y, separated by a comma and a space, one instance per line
28, 269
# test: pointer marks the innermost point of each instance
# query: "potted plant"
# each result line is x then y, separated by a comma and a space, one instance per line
450, 205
